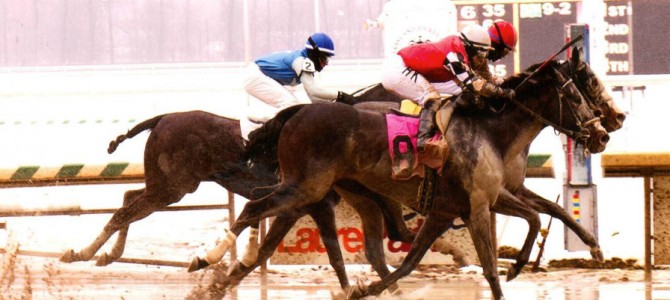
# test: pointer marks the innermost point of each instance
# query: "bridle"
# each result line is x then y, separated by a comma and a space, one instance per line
583, 133
591, 97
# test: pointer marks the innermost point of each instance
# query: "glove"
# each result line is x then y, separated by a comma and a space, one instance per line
345, 98
508, 94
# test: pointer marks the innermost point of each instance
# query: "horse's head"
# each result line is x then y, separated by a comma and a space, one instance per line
560, 104
593, 89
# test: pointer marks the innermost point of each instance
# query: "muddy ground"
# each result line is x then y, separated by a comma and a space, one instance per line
27, 277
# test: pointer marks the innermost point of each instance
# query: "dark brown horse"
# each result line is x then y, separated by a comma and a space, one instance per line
598, 99
335, 150
187, 148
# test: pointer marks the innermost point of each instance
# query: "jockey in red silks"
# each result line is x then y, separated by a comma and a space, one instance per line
421, 72
503, 40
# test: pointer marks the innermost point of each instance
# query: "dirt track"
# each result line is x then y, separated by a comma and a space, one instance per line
46, 278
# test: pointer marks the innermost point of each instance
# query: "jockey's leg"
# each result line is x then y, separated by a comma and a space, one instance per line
427, 123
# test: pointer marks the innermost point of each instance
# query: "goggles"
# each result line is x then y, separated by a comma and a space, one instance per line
482, 53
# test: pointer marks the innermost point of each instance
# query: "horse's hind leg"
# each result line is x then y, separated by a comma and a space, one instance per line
137, 209
509, 205
120, 244
545, 206
283, 199
373, 224
278, 229
323, 214
432, 228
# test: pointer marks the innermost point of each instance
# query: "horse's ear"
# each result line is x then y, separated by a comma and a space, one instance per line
577, 55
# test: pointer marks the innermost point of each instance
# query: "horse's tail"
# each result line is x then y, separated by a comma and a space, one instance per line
262, 146
145, 125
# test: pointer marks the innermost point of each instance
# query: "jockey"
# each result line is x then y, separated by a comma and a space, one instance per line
421, 72
269, 76
503, 40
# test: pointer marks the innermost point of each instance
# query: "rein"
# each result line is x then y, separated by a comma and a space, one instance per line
363, 89
582, 134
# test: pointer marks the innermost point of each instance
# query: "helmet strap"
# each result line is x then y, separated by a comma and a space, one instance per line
314, 54
315, 47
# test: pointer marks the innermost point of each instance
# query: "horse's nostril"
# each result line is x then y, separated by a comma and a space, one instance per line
620, 117
604, 139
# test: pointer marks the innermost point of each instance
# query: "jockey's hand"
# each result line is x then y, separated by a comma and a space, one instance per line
345, 98
508, 94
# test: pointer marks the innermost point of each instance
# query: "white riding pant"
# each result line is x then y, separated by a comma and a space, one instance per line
266, 98
407, 83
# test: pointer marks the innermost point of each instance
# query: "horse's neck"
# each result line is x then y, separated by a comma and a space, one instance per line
512, 131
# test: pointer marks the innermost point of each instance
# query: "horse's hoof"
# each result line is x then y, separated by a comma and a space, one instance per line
597, 254
374, 288
197, 263
69, 256
238, 268
103, 260
355, 292
512, 273
461, 261
394, 290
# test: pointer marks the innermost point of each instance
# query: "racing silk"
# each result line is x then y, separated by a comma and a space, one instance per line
428, 59
279, 66
293, 68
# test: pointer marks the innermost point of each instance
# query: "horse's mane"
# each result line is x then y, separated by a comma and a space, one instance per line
530, 88
514, 80
262, 145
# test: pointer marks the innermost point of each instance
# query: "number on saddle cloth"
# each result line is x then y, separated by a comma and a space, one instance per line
402, 133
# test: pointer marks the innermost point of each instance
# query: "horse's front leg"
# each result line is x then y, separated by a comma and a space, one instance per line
479, 225
433, 227
510, 205
545, 206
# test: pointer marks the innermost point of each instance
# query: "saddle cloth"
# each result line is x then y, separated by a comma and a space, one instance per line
402, 137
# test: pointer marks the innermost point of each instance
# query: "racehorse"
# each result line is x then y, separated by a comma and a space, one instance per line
215, 142
335, 152
598, 98
186, 148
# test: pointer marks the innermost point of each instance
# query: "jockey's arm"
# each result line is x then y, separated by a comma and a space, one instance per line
468, 79
490, 85
464, 75
305, 68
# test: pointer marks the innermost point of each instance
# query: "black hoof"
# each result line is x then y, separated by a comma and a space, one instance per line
197, 263
69, 256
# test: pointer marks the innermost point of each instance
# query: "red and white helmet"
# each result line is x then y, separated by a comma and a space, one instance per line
503, 33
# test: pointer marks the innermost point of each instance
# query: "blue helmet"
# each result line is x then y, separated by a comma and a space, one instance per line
321, 42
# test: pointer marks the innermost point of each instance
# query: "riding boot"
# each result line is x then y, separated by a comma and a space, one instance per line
426, 124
